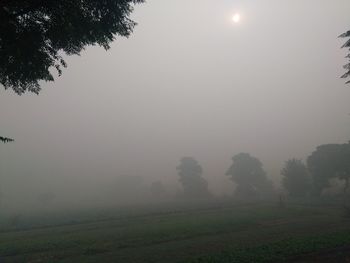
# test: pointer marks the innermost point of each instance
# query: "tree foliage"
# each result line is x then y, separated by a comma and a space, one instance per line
34, 34
5, 139
327, 162
346, 45
296, 178
248, 173
193, 183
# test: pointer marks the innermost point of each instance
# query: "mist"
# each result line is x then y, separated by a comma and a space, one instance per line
206, 121
189, 82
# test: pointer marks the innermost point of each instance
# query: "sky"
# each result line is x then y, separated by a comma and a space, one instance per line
188, 82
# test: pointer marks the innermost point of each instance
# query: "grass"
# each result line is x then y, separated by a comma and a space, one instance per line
281, 251
182, 235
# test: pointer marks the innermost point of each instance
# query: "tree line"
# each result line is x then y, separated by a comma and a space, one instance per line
299, 179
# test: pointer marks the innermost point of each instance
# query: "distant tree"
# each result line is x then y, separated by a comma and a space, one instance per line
247, 172
34, 34
190, 172
157, 189
346, 45
5, 139
327, 162
296, 178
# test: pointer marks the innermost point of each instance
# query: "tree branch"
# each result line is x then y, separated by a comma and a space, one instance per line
24, 6
5, 139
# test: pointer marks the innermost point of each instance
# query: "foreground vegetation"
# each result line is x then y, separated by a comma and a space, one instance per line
230, 232
284, 250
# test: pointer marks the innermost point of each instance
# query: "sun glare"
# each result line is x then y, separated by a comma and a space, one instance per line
236, 18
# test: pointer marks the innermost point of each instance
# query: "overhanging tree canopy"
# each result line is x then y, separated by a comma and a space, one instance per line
34, 34
5, 139
347, 45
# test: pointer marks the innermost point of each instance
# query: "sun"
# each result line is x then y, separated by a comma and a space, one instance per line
236, 18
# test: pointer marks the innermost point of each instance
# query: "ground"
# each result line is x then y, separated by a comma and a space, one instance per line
219, 232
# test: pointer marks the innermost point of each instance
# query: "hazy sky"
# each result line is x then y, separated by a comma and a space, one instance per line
188, 82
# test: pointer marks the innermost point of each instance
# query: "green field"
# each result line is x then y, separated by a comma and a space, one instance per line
204, 233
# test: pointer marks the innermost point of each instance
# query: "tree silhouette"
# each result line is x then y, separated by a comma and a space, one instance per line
34, 34
247, 172
321, 163
190, 172
327, 162
5, 140
296, 179
346, 45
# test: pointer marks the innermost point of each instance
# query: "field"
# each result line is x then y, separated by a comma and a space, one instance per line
215, 232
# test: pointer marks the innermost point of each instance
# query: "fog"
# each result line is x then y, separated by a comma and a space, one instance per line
188, 82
